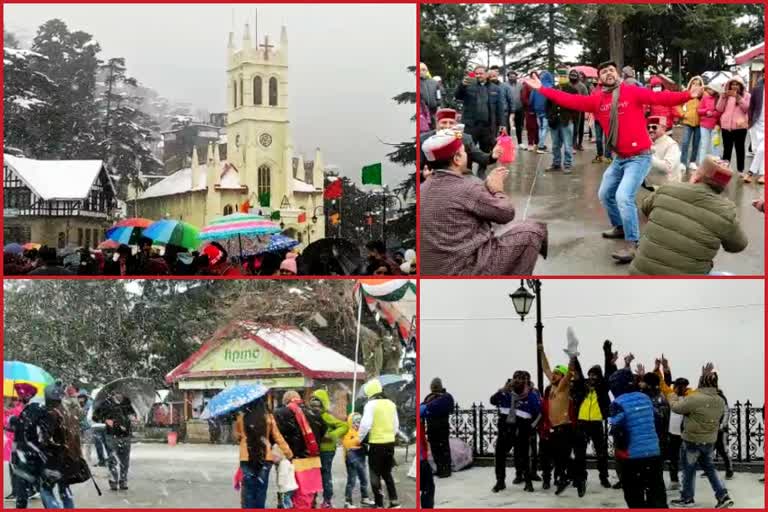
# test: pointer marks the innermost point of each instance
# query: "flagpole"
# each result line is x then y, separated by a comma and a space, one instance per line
357, 346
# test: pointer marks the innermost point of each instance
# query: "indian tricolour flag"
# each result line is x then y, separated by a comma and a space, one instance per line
386, 290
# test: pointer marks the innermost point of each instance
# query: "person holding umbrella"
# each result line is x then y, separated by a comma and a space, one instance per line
116, 413
25, 460
256, 431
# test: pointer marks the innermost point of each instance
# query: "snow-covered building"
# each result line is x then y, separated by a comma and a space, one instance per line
754, 58
56, 202
285, 358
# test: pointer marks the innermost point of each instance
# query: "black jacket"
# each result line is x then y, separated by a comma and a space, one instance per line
120, 414
579, 389
440, 406
289, 428
557, 115
483, 105
26, 438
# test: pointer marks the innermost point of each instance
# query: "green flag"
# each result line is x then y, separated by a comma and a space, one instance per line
372, 174
275, 215
264, 199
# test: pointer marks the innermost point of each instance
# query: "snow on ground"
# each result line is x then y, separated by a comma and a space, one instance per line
472, 489
199, 476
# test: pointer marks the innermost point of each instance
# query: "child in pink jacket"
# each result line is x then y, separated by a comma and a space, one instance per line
708, 118
734, 121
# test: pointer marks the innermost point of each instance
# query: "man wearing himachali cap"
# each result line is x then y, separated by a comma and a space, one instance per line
457, 212
687, 224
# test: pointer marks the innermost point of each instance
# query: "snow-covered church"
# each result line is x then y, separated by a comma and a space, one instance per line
260, 168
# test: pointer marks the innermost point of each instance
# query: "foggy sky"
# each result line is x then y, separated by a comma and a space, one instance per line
346, 63
475, 357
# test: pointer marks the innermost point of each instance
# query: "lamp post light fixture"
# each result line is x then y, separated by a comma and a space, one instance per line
522, 300
314, 213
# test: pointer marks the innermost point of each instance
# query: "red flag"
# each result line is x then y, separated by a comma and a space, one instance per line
333, 190
302, 218
246, 206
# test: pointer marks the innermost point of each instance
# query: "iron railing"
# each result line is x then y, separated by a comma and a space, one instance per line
476, 426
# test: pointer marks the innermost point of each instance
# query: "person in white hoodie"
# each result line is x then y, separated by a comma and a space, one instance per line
665, 161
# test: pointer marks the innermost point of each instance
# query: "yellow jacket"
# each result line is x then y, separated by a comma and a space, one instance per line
689, 112
273, 436
351, 440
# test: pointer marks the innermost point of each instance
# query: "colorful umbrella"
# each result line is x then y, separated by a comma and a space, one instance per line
588, 71
279, 243
13, 249
109, 244
173, 232
238, 224
15, 372
31, 246
128, 231
231, 399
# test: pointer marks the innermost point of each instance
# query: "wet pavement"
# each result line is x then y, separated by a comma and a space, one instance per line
569, 204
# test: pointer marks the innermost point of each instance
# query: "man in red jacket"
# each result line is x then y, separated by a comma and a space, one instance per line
619, 109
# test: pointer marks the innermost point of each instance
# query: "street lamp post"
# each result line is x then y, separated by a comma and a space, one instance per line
314, 221
522, 300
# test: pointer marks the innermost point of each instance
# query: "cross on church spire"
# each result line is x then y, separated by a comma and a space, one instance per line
266, 47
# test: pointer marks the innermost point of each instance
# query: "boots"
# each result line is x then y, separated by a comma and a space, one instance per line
500, 486
627, 253
615, 233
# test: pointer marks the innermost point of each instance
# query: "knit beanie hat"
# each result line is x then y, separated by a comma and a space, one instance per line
562, 369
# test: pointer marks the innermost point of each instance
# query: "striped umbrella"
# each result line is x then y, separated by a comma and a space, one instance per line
128, 231
238, 226
174, 232
15, 372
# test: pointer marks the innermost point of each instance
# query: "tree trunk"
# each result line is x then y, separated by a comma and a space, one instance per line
616, 42
551, 42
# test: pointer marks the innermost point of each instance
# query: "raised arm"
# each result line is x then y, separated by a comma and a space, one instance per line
545, 363
645, 96
571, 101
610, 358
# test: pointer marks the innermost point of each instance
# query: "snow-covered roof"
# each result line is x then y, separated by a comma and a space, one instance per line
750, 53
57, 179
181, 182
301, 186
299, 348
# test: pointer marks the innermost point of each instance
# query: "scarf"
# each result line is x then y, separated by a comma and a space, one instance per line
613, 123
516, 399
309, 437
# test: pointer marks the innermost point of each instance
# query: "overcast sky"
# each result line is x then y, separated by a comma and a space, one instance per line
346, 63
471, 337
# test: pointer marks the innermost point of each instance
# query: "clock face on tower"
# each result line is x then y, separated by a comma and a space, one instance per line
265, 140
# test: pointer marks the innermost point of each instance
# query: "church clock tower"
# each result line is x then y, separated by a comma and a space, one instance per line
258, 136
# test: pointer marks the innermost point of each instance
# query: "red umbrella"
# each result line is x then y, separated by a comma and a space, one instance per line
109, 244
588, 71
136, 222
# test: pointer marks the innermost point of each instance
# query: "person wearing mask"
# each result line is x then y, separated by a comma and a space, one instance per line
577, 82
665, 155
689, 114
256, 432
513, 97
668, 112
561, 123
117, 414
703, 411
627, 135
519, 413
733, 106
483, 107
757, 132
378, 429
302, 428
688, 223
436, 410
334, 431
429, 91
531, 123
708, 119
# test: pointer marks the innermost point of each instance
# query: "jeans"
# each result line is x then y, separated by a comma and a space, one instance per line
426, 485
50, 500
705, 144
701, 454
119, 449
642, 481
286, 499
587, 431
690, 137
255, 484
618, 190
543, 126
356, 470
326, 469
562, 136
599, 141
381, 459
515, 436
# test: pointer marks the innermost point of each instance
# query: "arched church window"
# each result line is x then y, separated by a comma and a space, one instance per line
257, 90
228, 210
264, 183
242, 90
234, 95
273, 91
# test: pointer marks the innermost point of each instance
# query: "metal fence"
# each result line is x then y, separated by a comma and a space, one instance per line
476, 426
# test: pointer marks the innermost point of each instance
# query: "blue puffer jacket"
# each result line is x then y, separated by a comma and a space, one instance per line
632, 419
530, 408
538, 101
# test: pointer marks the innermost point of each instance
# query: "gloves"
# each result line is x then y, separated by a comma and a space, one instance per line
573, 343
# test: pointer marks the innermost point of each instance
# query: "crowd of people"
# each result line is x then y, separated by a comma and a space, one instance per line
212, 260
652, 418
52, 443
631, 123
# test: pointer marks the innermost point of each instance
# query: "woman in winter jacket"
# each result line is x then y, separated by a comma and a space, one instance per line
734, 121
670, 113
256, 431
689, 112
708, 119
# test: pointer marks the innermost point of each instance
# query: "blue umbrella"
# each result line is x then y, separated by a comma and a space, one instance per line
279, 243
13, 248
231, 399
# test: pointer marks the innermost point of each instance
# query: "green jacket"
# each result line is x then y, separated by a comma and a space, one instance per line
336, 427
687, 224
703, 410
